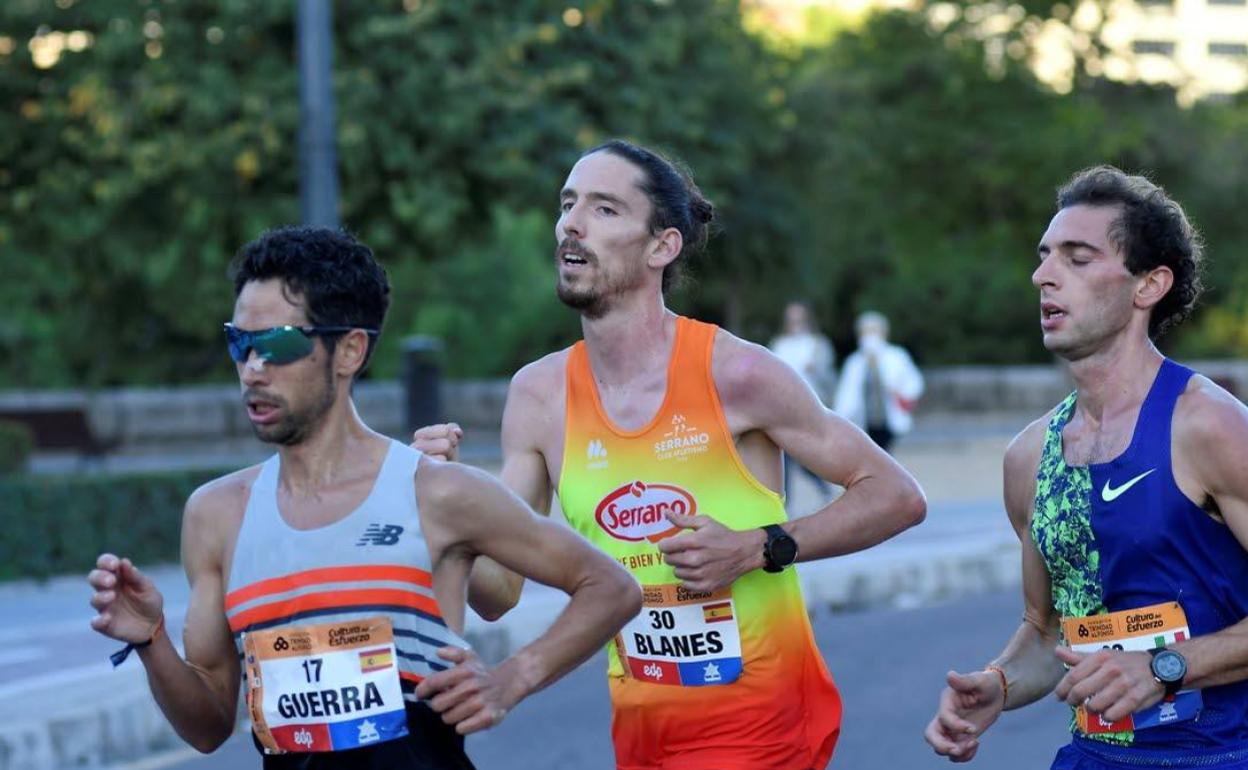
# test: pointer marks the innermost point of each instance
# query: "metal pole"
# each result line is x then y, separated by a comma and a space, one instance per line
318, 178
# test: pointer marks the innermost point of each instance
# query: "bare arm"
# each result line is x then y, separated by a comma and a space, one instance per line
474, 514
1030, 666
761, 394
494, 589
198, 695
1211, 438
971, 702
881, 498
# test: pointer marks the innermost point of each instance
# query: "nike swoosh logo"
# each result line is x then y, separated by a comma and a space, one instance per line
1110, 494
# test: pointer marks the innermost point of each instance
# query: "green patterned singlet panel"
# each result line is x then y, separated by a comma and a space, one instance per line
1062, 529
1062, 524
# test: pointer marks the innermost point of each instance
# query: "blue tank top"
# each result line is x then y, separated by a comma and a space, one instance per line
1121, 535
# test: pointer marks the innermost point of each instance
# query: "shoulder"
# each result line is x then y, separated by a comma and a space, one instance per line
1020, 465
224, 493
756, 389
535, 400
446, 491
740, 366
216, 508
537, 381
1024, 450
1208, 419
437, 483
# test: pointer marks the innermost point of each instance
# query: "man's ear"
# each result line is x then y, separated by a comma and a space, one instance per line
351, 353
1152, 286
665, 248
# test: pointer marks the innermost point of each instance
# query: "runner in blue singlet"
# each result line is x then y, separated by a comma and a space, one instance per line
1131, 501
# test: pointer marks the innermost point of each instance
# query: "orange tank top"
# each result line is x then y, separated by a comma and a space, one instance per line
730, 680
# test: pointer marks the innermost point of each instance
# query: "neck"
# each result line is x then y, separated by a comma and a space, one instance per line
331, 452
634, 337
1116, 378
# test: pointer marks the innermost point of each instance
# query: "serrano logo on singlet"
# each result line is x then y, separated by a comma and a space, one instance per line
682, 441
636, 511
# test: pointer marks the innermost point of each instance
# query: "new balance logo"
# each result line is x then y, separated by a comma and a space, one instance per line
378, 534
596, 453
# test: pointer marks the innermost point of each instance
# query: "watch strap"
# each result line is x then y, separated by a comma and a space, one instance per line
774, 532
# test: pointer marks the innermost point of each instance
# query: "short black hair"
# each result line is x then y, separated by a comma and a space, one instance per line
1151, 230
337, 278
675, 201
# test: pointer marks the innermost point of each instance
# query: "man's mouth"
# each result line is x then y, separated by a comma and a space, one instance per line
261, 411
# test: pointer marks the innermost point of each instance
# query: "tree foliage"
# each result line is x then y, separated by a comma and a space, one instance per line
890, 166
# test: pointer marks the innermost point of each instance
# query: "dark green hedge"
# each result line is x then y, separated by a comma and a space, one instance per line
16, 444
58, 524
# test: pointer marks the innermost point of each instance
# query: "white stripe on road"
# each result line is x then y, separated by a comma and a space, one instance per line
177, 756
67, 677
21, 655
21, 633
163, 759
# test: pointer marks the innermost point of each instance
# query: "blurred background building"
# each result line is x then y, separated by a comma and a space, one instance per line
1199, 47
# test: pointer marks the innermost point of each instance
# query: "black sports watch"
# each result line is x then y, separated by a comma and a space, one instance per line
1169, 668
780, 550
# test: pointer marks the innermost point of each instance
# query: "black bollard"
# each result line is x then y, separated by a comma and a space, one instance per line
422, 377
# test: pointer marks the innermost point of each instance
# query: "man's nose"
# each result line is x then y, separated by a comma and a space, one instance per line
1043, 275
572, 223
253, 370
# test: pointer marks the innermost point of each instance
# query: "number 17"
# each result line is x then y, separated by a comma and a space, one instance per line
312, 670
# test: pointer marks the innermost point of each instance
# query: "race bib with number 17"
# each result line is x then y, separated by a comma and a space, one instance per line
324, 687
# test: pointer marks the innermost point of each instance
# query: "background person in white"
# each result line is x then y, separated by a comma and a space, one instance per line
880, 385
803, 347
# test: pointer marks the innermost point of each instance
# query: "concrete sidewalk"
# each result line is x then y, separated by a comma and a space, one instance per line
62, 705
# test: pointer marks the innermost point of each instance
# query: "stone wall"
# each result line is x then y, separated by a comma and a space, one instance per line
147, 420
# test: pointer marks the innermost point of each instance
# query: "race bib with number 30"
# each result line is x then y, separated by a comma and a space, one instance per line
682, 637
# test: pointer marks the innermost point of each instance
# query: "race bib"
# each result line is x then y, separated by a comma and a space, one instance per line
682, 637
326, 687
1144, 629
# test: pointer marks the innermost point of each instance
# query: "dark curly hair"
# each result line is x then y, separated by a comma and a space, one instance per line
335, 277
1151, 230
675, 201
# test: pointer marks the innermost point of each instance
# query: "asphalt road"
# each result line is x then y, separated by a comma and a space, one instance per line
889, 665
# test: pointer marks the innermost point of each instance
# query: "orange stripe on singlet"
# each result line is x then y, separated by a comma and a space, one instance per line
335, 600
295, 580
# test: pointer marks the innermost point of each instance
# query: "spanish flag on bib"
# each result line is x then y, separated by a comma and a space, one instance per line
730, 680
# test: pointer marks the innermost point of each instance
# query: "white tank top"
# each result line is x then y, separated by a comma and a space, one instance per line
374, 561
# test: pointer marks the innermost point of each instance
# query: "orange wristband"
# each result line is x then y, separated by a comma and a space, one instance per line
160, 626
120, 656
1005, 683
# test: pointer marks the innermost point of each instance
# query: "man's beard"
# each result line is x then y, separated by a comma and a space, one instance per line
295, 427
588, 301
595, 299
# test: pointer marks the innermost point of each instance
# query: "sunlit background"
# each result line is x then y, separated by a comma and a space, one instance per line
895, 156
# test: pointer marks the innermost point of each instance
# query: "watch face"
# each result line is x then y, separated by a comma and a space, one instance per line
783, 550
1169, 666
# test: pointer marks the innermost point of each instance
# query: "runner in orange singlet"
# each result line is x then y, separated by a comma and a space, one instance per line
663, 438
